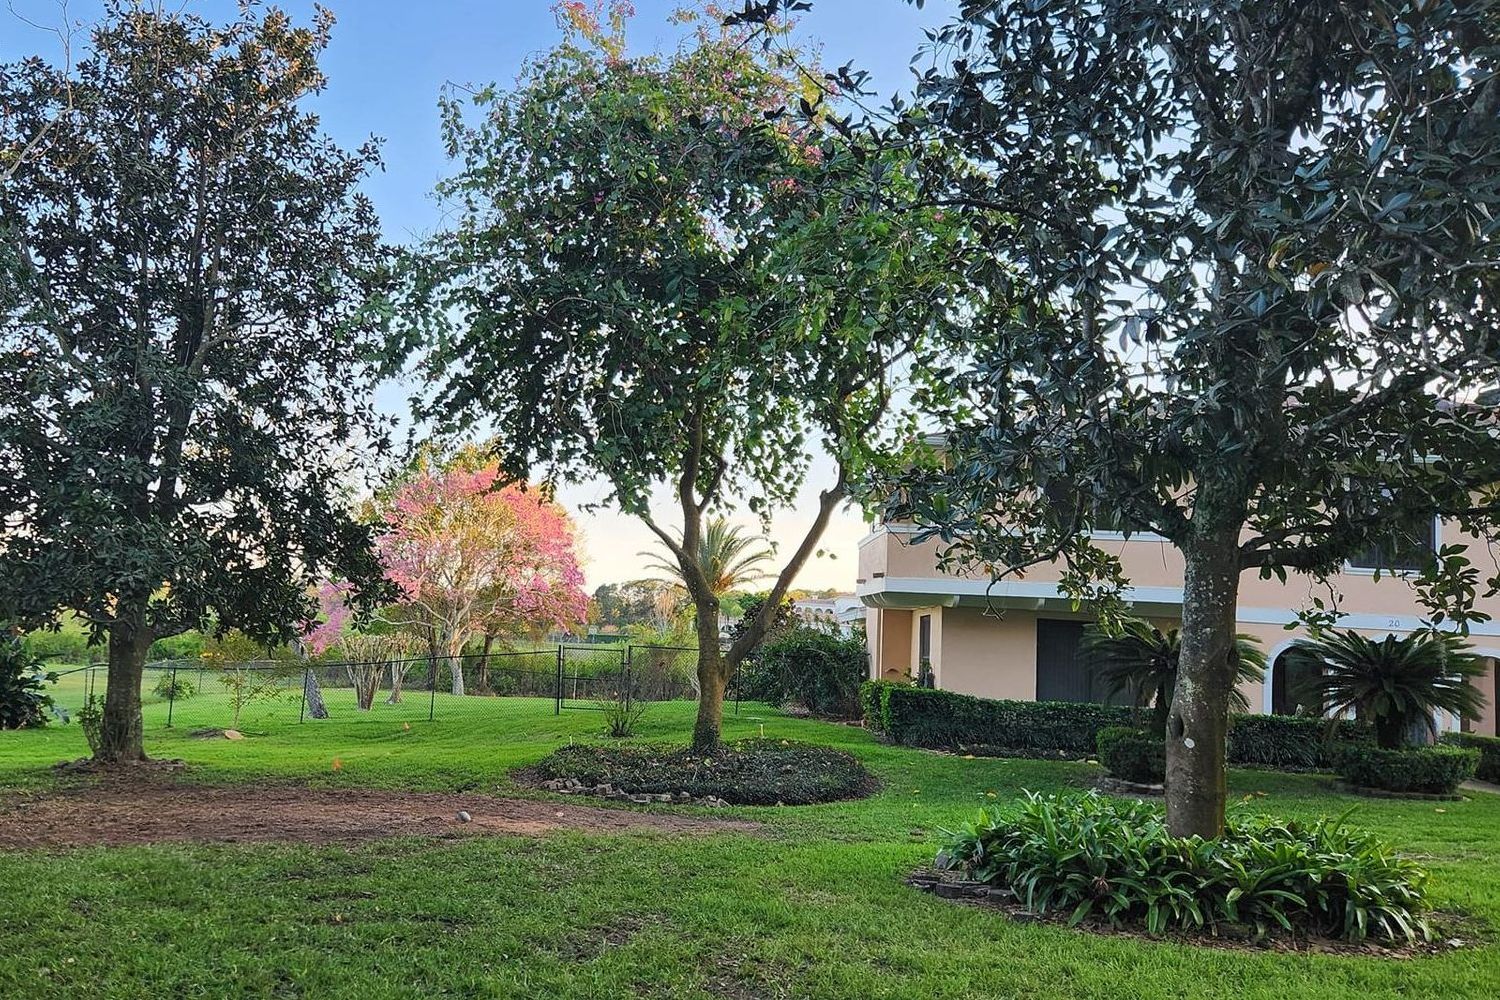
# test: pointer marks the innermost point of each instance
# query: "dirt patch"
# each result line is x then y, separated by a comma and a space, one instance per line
140, 809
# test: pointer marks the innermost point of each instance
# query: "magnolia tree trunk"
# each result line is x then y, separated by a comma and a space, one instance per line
1198, 724
121, 729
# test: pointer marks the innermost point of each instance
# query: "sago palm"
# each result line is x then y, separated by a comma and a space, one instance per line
1395, 684
729, 556
1139, 658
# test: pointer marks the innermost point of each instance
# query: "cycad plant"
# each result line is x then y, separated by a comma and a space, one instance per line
1137, 657
1397, 684
731, 557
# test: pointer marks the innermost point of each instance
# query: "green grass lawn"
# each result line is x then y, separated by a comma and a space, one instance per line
813, 907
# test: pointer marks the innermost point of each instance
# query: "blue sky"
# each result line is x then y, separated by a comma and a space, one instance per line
387, 63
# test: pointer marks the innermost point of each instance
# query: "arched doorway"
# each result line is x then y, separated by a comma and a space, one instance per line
1289, 679
1489, 686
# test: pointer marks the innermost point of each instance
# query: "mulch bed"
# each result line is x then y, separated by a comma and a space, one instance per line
1450, 931
148, 807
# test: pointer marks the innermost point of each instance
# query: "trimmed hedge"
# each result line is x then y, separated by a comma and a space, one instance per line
1435, 770
1291, 743
1133, 754
946, 720
1489, 753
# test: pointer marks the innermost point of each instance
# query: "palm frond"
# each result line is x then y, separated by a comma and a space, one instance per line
1397, 683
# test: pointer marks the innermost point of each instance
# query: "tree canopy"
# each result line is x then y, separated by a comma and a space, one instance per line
1240, 275
184, 338
658, 277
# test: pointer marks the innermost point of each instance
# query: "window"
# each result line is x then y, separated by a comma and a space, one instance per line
1404, 547
1064, 502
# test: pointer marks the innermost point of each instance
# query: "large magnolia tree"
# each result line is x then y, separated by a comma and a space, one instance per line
182, 338
656, 279
1244, 276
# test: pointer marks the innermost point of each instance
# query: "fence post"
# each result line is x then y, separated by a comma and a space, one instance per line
737, 686
629, 660
302, 711
172, 695
432, 693
558, 689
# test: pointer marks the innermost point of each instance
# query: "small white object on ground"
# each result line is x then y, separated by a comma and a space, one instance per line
464, 817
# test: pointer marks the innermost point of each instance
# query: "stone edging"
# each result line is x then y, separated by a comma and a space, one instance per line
1119, 786
572, 786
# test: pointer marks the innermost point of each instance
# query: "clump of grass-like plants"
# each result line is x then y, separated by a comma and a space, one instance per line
1092, 857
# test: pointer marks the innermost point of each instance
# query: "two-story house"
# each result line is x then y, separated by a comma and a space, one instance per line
1019, 638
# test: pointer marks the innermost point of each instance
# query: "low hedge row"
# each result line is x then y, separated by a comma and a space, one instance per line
1291, 743
1435, 770
946, 720
1489, 753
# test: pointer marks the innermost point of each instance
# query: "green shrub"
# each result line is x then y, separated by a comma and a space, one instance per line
1133, 754
923, 717
1489, 753
946, 720
1437, 770
870, 707
91, 721
747, 772
24, 701
1291, 743
812, 668
1088, 856
169, 689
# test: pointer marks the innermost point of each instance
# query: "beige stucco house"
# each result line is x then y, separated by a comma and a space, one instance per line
1019, 638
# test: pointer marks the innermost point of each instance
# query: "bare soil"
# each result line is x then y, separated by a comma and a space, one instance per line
150, 808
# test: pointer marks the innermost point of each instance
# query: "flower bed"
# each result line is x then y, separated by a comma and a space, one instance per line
748, 772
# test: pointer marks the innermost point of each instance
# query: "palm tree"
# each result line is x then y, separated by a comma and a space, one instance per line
1396, 684
1140, 658
730, 557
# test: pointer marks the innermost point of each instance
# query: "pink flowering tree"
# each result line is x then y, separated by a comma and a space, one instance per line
473, 560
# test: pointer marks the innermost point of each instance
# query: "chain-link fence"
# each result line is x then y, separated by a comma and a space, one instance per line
254, 694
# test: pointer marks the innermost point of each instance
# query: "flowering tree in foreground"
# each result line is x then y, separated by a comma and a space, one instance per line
471, 559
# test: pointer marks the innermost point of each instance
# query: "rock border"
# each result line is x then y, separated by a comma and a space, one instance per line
608, 792
1119, 786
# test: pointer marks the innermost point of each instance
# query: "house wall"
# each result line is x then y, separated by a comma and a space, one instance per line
889, 633
986, 655
977, 652
1154, 563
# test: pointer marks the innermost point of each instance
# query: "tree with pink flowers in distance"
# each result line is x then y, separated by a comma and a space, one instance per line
474, 559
